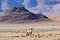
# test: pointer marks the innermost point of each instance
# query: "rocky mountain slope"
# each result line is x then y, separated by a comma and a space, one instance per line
21, 14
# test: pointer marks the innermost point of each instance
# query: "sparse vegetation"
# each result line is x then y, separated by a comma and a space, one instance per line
51, 35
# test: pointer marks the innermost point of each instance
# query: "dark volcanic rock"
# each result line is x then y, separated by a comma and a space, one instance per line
42, 17
21, 14
18, 9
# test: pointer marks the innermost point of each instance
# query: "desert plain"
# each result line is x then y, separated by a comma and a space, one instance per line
49, 30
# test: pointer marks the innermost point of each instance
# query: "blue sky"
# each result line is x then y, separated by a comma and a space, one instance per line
0, 7
51, 2
15, 3
42, 6
32, 3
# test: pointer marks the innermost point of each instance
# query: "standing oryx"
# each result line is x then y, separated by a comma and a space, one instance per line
29, 32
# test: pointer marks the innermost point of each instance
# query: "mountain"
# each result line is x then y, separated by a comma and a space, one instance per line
21, 14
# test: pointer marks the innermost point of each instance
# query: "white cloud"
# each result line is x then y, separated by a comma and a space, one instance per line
26, 3
47, 9
40, 7
56, 9
37, 8
4, 5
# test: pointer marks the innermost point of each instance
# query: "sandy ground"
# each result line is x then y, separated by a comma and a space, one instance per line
41, 30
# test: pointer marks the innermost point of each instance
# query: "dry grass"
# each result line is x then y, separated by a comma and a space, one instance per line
51, 35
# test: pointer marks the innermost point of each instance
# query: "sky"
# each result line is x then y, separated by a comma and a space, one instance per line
36, 6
